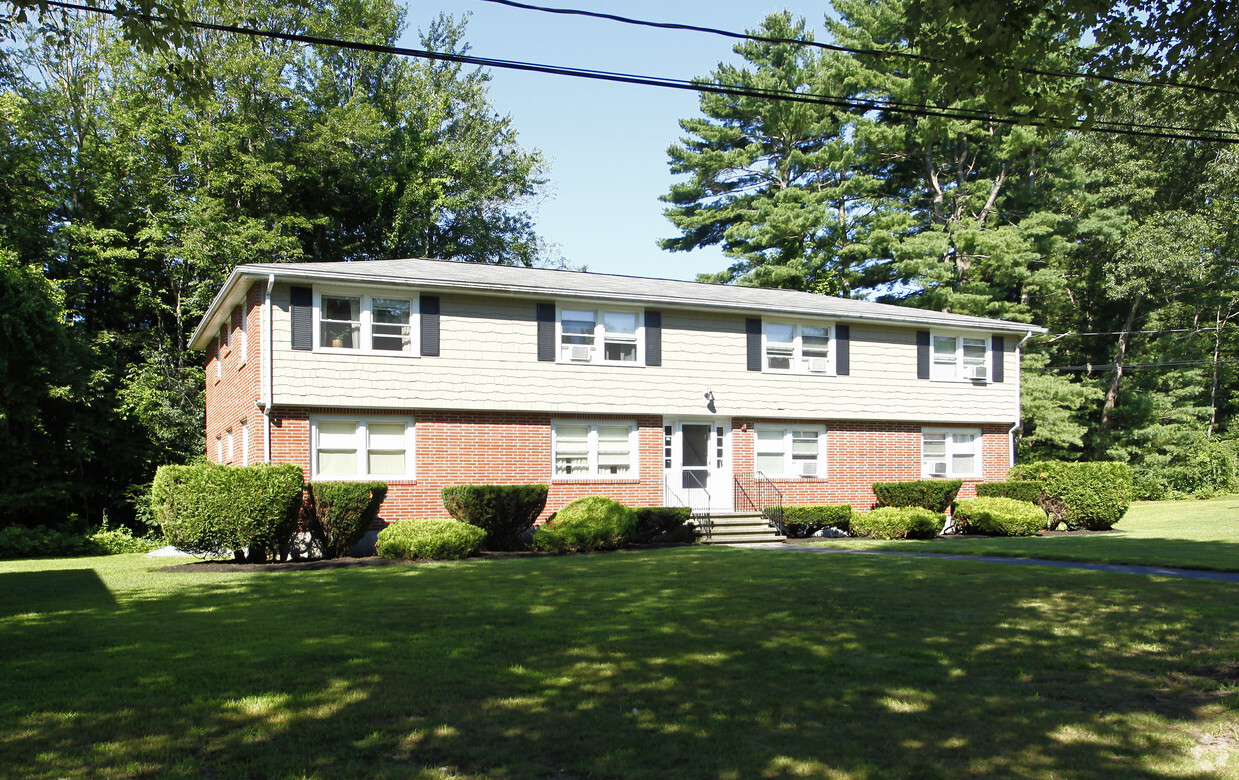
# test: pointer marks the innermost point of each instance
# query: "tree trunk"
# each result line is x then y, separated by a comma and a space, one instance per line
1112, 392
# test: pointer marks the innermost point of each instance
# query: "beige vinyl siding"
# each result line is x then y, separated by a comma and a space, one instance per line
489, 362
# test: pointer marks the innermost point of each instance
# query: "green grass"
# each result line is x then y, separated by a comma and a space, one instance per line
1183, 534
670, 663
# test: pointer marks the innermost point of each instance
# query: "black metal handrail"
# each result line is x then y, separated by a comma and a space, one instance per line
757, 493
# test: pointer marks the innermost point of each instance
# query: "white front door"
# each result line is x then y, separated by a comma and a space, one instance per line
697, 464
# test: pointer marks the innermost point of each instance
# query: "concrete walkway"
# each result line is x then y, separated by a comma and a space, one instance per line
1155, 571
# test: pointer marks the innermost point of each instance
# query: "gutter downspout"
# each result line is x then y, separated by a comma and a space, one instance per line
268, 370
1018, 407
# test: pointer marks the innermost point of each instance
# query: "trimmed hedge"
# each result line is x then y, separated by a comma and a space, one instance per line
932, 494
807, 519
587, 524
438, 540
997, 516
504, 512
208, 509
898, 522
1091, 495
1018, 489
339, 513
658, 523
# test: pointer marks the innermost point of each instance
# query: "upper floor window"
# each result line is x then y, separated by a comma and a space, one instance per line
588, 449
960, 357
347, 449
791, 451
599, 336
363, 322
798, 348
950, 452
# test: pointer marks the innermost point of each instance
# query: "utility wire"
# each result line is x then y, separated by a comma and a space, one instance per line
851, 104
848, 50
1057, 336
1090, 367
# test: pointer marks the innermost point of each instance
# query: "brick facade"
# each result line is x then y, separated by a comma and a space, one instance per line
233, 378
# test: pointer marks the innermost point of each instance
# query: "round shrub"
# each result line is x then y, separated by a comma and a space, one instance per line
660, 523
932, 494
999, 517
437, 540
504, 512
1020, 490
340, 513
1092, 495
898, 522
805, 520
587, 524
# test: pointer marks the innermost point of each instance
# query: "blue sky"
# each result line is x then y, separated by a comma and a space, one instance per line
606, 143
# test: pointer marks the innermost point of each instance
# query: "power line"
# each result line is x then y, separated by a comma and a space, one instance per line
1090, 367
849, 50
850, 104
1057, 336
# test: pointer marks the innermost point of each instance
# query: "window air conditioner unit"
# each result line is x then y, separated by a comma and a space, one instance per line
939, 467
978, 372
819, 365
808, 468
578, 352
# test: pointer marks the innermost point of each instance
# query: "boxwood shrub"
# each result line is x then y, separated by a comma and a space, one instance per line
997, 516
1019, 489
339, 513
208, 509
438, 540
898, 522
1091, 495
807, 519
659, 523
932, 494
587, 524
504, 512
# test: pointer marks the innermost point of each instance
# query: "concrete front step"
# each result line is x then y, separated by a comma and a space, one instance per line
740, 528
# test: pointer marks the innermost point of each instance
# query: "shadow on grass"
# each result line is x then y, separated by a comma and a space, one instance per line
673, 663
67, 590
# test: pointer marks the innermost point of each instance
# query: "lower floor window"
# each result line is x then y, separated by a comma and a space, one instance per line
793, 451
948, 452
588, 449
362, 448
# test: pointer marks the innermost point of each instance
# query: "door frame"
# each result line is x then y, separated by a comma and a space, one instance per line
720, 482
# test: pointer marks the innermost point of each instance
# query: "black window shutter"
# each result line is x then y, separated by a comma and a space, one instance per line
546, 331
997, 348
429, 308
843, 350
922, 354
301, 308
653, 338
752, 327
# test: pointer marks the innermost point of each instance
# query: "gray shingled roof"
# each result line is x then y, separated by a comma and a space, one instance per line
533, 282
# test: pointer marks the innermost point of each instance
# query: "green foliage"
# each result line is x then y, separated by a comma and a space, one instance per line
932, 494
587, 524
340, 513
1092, 495
897, 522
804, 520
18, 541
998, 516
1202, 470
655, 523
436, 540
119, 540
208, 509
1020, 490
504, 512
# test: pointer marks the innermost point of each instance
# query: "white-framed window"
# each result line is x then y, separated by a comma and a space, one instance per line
219, 449
380, 323
243, 327
245, 443
798, 348
348, 448
951, 452
959, 357
229, 445
601, 336
225, 331
791, 450
582, 448
219, 359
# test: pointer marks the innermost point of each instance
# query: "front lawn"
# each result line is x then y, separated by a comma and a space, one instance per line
683, 662
1183, 534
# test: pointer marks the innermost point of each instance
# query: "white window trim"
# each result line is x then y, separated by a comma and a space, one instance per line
230, 445
219, 448
790, 471
959, 337
367, 298
978, 453
362, 448
800, 364
634, 451
598, 350
245, 443
245, 336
